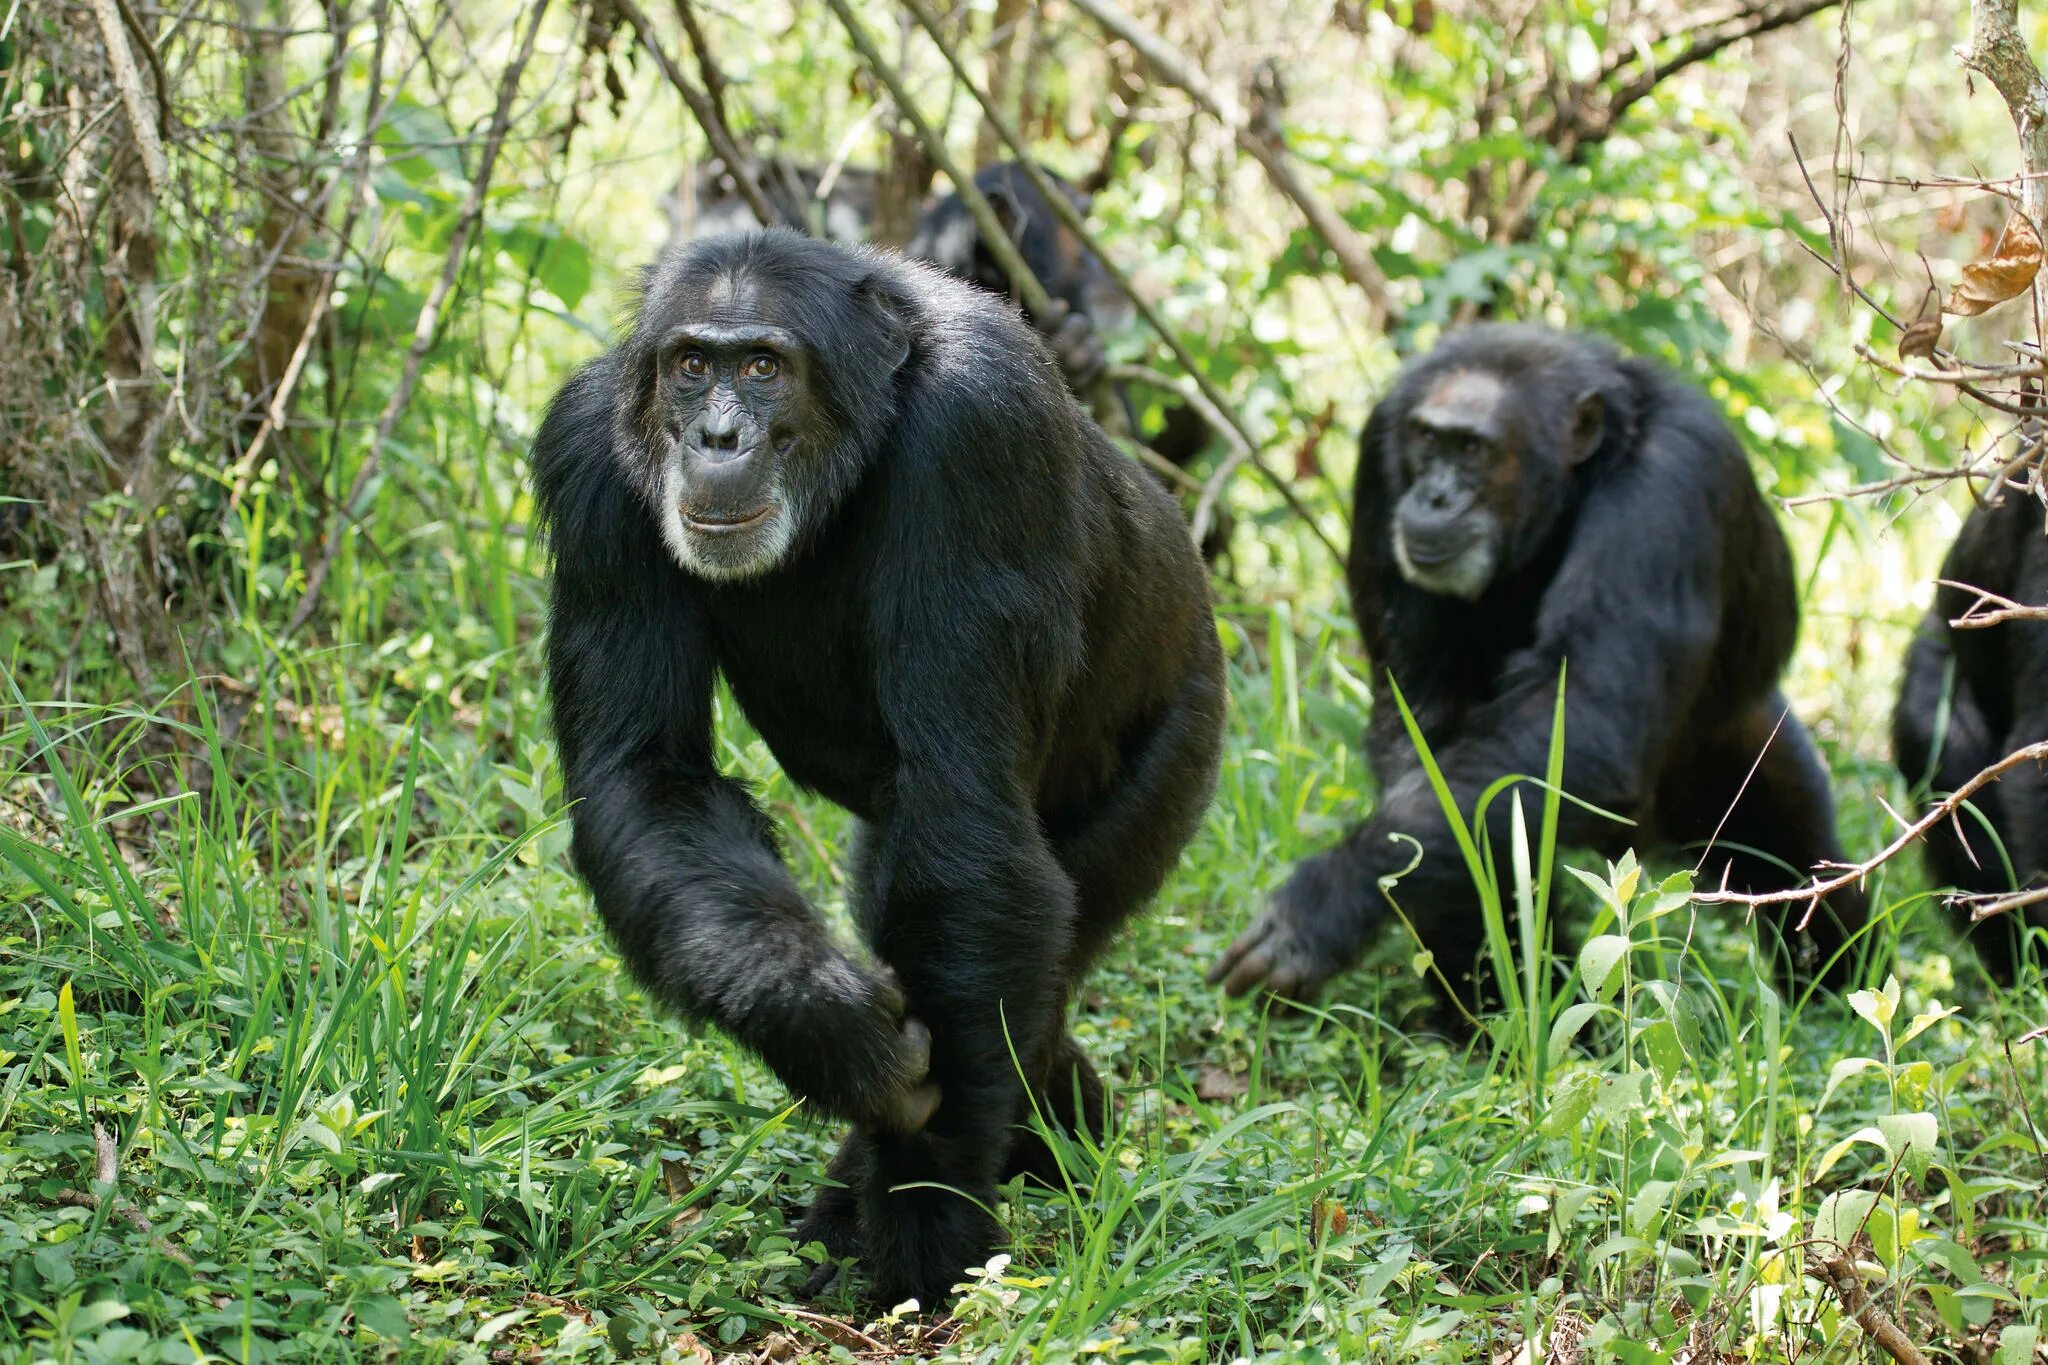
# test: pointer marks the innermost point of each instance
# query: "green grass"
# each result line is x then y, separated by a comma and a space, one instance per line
304, 948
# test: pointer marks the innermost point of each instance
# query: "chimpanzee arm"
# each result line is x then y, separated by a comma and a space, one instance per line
681, 863
1632, 612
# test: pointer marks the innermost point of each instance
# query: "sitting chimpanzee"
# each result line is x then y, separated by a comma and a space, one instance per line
1528, 499
856, 489
1968, 698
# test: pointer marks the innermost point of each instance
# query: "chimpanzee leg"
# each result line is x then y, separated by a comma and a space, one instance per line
1118, 852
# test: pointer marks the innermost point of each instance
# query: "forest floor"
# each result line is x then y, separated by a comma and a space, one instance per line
310, 1050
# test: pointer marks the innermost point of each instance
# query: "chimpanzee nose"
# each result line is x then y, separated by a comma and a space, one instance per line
1437, 499
720, 434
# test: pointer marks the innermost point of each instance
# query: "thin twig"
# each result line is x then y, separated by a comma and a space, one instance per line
1262, 140
2002, 609
427, 324
706, 113
1819, 890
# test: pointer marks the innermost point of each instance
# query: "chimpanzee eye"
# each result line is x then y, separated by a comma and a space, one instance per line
693, 364
762, 366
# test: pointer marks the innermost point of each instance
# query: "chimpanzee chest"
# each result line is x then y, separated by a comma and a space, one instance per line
803, 672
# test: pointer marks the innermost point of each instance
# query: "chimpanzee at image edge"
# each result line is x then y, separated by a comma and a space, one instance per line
1969, 697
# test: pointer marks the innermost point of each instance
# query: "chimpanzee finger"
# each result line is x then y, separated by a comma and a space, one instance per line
915, 1046
1226, 965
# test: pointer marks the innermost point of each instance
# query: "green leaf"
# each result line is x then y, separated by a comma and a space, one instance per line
384, 1315
1573, 1018
1600, 961
1841, 1215
2016, 1344
1878, 1007
1842, 1071
94, 1316
1911, 1139
1571, 1099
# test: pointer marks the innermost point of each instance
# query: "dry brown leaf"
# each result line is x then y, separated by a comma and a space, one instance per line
2010, 270
1214, 1083
1329, 1218
1920, 338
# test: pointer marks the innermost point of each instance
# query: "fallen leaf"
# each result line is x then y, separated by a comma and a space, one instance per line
2011, 269
1330, 1218
1213, 1083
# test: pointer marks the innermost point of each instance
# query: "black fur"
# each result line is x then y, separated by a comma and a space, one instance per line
1970, 697
992, 644
1656, 570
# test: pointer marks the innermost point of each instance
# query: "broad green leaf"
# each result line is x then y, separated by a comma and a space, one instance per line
1911, 1138
1599, 961
1842, 1071
1841, 1215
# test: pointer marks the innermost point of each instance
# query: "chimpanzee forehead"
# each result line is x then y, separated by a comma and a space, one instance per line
729, 297
1463, 399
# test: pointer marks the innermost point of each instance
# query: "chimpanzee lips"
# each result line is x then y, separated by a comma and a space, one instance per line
1430, 553
721, 523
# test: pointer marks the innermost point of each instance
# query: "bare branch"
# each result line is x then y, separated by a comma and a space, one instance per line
701, 107
1839, 1274
142, 119
1817, 891
1748, 24
427, 325
1999, 53
1990, 609
1200, 391
1263, 140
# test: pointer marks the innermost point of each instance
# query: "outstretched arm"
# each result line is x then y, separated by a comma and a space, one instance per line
1632, 612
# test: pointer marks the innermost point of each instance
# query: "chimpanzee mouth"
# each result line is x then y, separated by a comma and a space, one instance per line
1428, 556
706, 524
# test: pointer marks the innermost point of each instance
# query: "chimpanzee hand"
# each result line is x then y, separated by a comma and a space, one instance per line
1076, 345
855, 1053
1308, 932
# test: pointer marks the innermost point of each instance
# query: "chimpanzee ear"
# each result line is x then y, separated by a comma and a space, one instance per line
1589, 424
889, 314
635, 423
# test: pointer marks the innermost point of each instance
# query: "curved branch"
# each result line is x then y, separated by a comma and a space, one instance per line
1201, 392
1262, 141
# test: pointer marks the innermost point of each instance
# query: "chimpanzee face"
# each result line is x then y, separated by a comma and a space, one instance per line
732, 392
754, 393
1469, 474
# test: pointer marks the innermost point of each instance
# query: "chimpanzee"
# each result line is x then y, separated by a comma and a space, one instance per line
1526, 499
856, 489
1967, 699
709, 204
1086, 299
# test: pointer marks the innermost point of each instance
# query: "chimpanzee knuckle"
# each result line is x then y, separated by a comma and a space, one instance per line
914, 1050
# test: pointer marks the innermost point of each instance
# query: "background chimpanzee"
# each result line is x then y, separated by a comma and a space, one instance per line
1970, 697
1527, 497
1088, 301
856, 488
